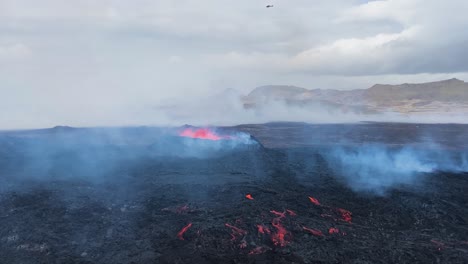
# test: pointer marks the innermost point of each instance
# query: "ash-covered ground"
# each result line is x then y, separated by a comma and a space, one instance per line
292, 193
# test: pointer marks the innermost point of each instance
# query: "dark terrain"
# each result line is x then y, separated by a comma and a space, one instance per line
125, 195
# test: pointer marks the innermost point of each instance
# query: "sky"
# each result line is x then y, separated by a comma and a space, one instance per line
90, 63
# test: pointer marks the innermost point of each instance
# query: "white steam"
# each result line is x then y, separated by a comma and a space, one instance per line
378, 168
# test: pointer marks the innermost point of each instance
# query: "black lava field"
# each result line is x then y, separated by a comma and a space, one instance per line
272, 193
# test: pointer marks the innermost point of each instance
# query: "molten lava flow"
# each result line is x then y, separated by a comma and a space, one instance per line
314, 200
180, 235
249, 196
345, 215
278, 238
202, 133
333, 230
313, 231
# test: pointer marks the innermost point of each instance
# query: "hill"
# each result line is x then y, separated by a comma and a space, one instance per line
442, 96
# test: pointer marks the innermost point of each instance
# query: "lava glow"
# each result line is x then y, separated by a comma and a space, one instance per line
202, 133
249, 196
313, 231
333, 230
263, 229
314, 200
279, 237
180, 235
345, 215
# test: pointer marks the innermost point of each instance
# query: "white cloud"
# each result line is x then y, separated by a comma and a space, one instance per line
14, 51
175, 59
427, 37
126, 54
356, 56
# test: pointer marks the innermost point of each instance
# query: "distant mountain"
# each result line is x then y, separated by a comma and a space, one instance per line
452, 90
442, 96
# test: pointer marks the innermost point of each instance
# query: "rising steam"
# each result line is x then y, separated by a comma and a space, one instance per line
378, 168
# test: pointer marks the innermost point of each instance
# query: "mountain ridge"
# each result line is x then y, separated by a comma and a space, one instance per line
440, 96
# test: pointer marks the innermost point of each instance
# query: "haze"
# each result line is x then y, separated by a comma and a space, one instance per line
115, 63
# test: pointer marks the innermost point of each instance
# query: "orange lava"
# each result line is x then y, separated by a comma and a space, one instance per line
278, 238
249, 196
180, 235
314, 200
333, 230
202, 133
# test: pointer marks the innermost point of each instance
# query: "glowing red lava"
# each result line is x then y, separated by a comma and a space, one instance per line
249, 196
278, 238
345, 215
180, 235
313, 231
314, 200
263, 229
333, 230
202, 133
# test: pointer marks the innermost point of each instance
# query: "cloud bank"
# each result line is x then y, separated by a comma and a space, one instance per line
112, 62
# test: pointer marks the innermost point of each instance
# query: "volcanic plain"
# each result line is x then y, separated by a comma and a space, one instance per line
268, 193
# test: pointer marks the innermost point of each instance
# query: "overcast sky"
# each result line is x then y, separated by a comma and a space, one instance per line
88, 62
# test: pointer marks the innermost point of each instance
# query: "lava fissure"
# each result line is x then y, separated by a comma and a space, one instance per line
314, 200
314, 232
344, 214
181, 233
281, 237
202, 133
